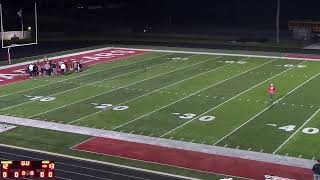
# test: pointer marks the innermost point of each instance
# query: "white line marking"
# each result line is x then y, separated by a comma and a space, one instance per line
81, 86
186, 97
121, 87
89, 139
298, 130
223, 54
266, 109
227, 100
143, 95
85, 74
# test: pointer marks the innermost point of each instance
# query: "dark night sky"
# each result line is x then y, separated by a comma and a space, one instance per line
185, 13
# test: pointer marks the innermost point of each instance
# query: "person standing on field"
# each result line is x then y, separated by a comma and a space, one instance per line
316, 170
272, 91
63, 68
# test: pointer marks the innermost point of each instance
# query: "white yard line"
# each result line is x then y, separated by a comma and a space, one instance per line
190, 95
119, 88
61, 92
285, 142
266, 109
150, 92
85, 74
232, 98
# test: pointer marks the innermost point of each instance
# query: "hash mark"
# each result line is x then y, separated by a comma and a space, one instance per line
261, 150
203, 142
249, 149
151, 134
181, 139
300, 156
287, 154
313, 158
192, 140
225, 145
171, 137
237, 147
131, 132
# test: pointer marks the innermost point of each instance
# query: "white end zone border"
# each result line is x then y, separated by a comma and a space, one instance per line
99, 162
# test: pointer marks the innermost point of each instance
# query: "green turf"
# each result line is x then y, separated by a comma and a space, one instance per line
214, 100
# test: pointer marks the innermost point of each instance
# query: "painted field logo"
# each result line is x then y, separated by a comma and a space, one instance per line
6, 127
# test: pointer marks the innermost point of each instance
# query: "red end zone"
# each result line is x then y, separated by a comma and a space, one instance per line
17, 73
193, 160
304, 56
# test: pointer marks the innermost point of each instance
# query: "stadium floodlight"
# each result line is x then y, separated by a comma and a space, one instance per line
19, 45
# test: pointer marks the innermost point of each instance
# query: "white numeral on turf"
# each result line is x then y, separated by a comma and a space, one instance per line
238, 62
291, 65
191, 116
207, 118
187, 116
310, 130
41, 98
108, 106
288, 128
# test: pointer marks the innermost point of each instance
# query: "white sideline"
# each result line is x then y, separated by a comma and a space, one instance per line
96, 161
230, 99
209, 149
190, 95
223, 54
285, 142
266, 109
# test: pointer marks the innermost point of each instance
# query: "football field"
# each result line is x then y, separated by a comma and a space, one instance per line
218, 100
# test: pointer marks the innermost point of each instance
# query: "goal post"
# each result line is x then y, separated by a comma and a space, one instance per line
8, 47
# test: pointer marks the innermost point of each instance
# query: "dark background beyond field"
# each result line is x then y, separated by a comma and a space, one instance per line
228, 24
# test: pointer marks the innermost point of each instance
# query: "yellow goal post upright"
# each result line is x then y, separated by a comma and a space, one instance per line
18, 45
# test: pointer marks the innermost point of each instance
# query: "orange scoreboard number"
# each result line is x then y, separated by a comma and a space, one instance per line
24, 169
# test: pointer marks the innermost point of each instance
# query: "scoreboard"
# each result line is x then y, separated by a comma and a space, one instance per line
31, 169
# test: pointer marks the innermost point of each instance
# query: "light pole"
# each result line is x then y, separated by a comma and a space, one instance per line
277, 20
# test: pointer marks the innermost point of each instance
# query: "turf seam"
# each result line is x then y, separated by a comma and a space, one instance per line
252, 118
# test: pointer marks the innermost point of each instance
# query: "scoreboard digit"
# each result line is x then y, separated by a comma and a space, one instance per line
32, 169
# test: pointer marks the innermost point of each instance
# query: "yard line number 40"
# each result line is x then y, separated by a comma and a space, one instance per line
307, 130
